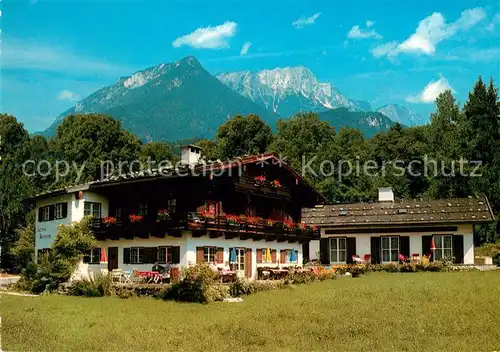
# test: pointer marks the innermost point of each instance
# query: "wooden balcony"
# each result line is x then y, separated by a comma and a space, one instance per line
200, 225
265, 188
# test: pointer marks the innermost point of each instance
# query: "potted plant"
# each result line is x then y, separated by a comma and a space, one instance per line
163, 215
208, 216
135, 219
289, 225
253, 221
276, 184
270, 223
259, 180
109, 221
232, 220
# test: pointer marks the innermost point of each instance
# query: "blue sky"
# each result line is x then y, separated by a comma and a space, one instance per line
56, 52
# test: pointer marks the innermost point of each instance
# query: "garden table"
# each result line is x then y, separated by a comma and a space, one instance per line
279, 273
226, 274
150, 275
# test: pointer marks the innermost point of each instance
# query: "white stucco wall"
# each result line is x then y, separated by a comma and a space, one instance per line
46, 230
188, 246
363, 241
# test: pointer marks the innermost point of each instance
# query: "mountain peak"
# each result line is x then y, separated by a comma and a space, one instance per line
402, 114
286, 90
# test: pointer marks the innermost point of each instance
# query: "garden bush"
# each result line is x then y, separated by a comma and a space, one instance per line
97, 286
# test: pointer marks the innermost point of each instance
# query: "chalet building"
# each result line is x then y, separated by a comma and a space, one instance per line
382, 231
240, 214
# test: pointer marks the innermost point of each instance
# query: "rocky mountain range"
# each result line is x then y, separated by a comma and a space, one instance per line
181, 100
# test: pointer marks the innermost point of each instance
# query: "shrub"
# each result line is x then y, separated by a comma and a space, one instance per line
97, 286
241, 287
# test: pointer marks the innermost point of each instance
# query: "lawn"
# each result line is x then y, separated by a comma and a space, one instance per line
379, 311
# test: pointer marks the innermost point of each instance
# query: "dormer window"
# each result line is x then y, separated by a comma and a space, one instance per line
343, 212
143, 209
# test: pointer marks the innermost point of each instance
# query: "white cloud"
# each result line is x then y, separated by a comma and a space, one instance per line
67, 95
305, 21
245, 48
34, 55
369, 23
494, 22
431, 91
208, 37
434, 29
384, 49
357, 33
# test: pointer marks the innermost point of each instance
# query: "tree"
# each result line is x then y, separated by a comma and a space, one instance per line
14, 185
301, 136
158, 152
91, 140
243, 136
23, 250
209, 149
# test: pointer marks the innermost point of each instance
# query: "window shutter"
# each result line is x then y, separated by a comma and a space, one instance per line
176, 255
458, 249
404, 245
153, 254
199, 255
126, 255
375, 249
248, 263
259, 256
64, 210
86, 257
273, 255
40, 214
351, 249
220, 255
426, 245
324, 251
52, 210
297, 256
283, 256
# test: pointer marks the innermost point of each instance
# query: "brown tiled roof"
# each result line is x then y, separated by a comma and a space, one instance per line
417, 211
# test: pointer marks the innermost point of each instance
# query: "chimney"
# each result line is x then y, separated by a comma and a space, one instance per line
190, 154
385, 194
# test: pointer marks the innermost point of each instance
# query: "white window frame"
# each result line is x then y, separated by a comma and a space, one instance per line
95, 208
167, 250
239, 265
264, 250
208, 256
59, 211
288, 253
441, 248
338, 250
95, 256
390, 249
143, 209
137, 255
46, 213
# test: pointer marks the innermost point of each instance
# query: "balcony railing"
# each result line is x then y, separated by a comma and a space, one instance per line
262, 187
202, 221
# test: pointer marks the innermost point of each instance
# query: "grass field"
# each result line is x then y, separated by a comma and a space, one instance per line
379, 311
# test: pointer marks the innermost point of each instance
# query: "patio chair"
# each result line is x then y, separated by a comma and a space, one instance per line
127, 276
367, 258
357, 259
116, 275
105, 272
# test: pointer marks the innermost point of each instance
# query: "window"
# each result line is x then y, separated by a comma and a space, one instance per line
172, 203
266, 258
59, 211
93, 257
338, 251
390, 249
136, 255
239, 264
209, 254
444, 247
93, 209
165, 255
118, 213
143, 209
289, 258
46, 213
